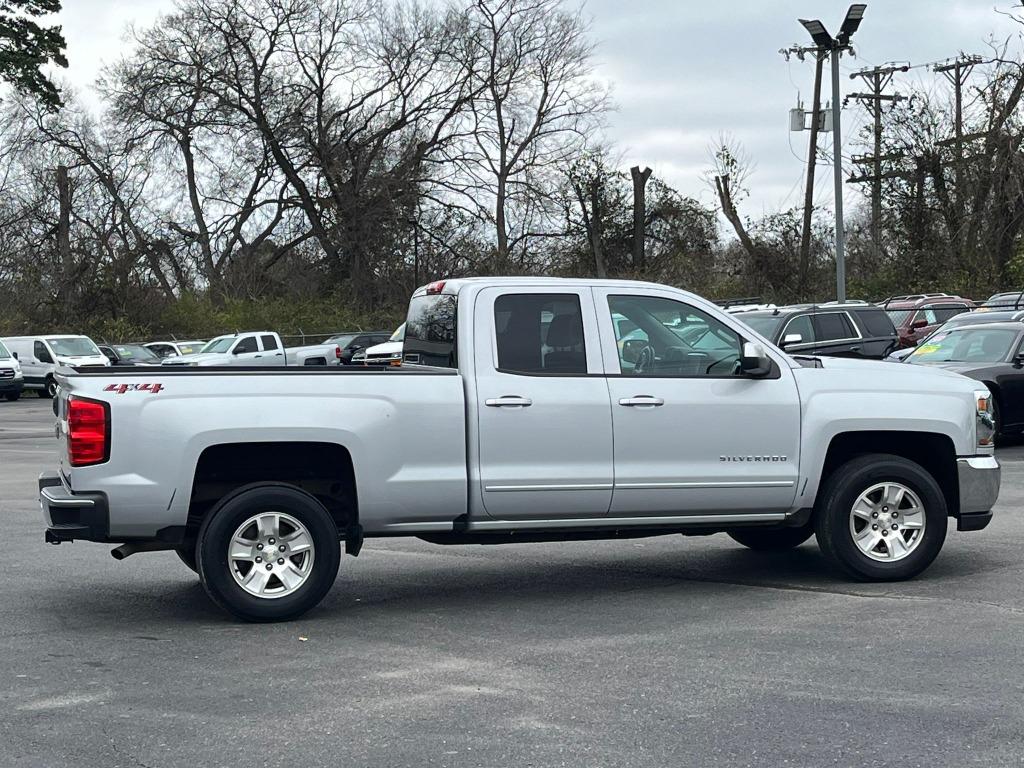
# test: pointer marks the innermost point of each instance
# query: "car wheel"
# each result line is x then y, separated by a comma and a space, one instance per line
772, 539
268, 553
49, 389
12, 396
881, 518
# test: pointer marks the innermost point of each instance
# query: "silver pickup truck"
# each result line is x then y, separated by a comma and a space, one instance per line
526, 410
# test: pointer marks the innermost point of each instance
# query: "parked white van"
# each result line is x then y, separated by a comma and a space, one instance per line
41, 356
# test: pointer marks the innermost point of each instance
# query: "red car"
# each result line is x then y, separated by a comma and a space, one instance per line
917, 315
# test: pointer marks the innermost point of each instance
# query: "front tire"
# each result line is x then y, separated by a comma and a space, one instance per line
49, 390
881, 518
772, 539
268, 553
12, 396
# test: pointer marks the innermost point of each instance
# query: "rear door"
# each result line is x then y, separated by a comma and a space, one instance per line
543, 416
272, 352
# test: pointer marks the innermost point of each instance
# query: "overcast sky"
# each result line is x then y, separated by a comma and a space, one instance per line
686, 71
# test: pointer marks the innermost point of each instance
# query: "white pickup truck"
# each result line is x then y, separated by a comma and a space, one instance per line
520, 416
260, 348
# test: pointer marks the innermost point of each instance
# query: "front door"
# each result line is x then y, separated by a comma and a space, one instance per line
543, 418
246, 351
692, 434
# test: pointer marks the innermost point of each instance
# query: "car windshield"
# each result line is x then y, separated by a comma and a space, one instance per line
899, 316
967, 345
766, 325
219, 345
4, 352
399, 334
134, 352
78, 346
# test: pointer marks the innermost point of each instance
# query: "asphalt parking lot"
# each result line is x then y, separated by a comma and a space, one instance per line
659, 652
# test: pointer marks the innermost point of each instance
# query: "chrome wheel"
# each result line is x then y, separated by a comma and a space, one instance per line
271, 555
887, 522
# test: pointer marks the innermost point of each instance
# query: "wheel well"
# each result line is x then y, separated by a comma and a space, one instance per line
322, 469
935, 452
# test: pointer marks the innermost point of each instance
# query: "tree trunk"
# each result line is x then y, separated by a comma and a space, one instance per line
501, 226
64, 242
639, 217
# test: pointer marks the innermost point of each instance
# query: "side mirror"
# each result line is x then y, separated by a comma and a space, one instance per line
1018, 360
754, 360
918, 325
15, 355
792, 338
631, 350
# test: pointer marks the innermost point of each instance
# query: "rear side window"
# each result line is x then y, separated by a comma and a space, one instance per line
430, 331
269, 342
833, 326
876, 322
540, 334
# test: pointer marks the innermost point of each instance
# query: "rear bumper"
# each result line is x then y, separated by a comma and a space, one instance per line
979, 489
70, 516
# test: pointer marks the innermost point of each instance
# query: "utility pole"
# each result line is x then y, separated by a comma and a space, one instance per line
877, 79
798, 123
957, 72
835, 47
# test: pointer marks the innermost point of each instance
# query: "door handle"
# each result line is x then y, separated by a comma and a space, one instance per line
642, 401
509, 401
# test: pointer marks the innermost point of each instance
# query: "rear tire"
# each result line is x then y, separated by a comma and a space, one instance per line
240, 563
881, 518
772, 539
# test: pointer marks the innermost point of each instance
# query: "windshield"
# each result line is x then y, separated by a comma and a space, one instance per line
223, 344
399, 334
970, 345
134, 352
899, 316
78, 346
766, 325
4, 353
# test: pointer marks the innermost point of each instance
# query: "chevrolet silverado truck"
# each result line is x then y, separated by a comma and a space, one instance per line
521, 414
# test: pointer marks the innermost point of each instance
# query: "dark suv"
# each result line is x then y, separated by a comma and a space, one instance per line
836, 330
353, 342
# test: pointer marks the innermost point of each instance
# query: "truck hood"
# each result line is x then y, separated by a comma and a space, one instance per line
888, 371
209, 358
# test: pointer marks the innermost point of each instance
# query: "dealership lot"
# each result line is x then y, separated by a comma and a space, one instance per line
655, 652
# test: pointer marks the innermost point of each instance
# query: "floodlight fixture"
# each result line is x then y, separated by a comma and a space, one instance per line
818, 33
854, 16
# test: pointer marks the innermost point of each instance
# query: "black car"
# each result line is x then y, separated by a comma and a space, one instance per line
991, 354
129, 354
836, 330
355, 341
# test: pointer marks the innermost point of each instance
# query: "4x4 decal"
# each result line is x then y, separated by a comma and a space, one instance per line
122, 388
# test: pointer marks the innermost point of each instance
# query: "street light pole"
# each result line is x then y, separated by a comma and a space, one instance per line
837, 139
835, 46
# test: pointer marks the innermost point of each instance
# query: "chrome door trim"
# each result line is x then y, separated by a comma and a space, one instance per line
722, 484
581, 487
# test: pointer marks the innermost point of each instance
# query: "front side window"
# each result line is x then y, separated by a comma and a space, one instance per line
677, 340
928, 315
800, 326
942, 314
540, 334
246, 345
41, 353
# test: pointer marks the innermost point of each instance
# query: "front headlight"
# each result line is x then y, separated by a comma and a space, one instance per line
985, 418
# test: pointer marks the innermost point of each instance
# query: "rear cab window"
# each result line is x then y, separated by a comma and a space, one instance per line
430, 331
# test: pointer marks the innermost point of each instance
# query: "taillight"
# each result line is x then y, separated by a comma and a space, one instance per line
337, 352
88, 431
